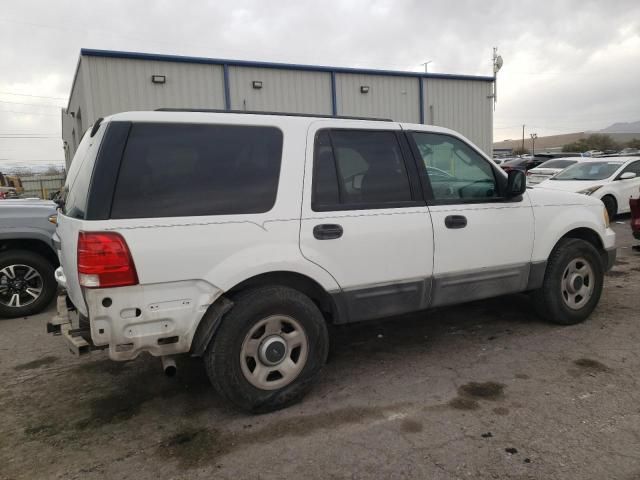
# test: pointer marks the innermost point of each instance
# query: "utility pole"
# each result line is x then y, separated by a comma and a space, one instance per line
426, 65
533, 143
523, 138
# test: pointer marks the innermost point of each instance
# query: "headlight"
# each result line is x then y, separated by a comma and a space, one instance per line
605, 214
590, 190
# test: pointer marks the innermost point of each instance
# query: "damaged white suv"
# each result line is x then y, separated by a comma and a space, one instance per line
238, 237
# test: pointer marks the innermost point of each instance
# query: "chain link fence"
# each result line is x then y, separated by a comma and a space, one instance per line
41, 186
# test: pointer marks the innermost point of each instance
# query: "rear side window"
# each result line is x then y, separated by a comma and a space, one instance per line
76, 186
356, 169
171, 170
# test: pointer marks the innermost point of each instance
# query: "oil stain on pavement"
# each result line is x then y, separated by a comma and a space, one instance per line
470, 393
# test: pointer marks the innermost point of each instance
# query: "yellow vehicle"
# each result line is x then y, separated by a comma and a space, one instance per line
10, 186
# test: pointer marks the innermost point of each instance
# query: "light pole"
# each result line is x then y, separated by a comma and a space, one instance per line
426, 65
533, 143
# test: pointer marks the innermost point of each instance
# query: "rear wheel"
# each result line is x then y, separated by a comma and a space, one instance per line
611, 205
27, 284
268, 349
572, 283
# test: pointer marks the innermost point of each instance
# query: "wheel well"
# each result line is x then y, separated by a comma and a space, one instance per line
587, 235
32, 245
297, 281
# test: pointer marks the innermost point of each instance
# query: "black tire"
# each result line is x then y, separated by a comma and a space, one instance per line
222, 358
549, 300
611, 205
44, 268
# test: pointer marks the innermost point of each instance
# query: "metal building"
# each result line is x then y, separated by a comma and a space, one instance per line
108, 82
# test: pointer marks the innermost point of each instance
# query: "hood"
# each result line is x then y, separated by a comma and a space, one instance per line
569, 185
547, 196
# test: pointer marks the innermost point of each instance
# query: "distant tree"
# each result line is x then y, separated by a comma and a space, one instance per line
52, 170
595, 141
635, 143
520, 151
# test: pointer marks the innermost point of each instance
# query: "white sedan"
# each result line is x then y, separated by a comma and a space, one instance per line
549, 168
613, 180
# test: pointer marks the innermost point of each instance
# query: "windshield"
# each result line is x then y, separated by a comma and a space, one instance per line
557, 164
589, 171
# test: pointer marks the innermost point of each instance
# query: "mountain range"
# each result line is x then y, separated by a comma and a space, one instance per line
622, 127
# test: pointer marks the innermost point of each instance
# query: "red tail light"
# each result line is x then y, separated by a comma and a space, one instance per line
104, 261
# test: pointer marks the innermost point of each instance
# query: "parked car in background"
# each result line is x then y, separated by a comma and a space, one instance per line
629, 152
613, 180
593, 153
548, 169
239, 237
27, 256
527, 162
523, 164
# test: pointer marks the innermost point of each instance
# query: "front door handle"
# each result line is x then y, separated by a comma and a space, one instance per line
327, 231
455, 221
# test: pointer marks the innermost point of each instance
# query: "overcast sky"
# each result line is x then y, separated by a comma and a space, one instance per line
568, 65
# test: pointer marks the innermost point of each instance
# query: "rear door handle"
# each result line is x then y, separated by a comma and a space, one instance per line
327, 231
455, 221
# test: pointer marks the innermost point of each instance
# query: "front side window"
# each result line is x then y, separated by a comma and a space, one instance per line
356, 169
455, 171
174, 170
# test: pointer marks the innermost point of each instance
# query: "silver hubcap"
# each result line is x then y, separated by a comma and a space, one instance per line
577, 283
274, 352
20, 285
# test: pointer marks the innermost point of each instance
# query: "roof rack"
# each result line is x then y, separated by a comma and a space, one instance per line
284, 114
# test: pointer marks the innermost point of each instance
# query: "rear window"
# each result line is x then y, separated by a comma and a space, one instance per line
557, 163
173, 170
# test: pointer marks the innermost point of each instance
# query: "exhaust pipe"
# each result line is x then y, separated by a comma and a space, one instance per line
168, 365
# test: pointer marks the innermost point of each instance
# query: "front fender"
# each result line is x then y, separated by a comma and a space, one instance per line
557, 214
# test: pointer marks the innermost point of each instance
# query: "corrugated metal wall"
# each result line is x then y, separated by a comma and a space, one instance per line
392, 97
119, 84
462, 105
106, 84
294, 91
73, 126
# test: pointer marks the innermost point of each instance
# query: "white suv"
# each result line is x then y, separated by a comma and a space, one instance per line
239, 237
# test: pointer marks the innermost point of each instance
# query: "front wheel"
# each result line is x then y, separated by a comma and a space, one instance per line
268, 349
27, 284
572, 283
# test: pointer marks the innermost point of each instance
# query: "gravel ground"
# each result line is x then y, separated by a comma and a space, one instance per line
484, 390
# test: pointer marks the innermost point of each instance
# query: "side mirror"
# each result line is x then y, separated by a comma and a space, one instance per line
516, 183
627, 176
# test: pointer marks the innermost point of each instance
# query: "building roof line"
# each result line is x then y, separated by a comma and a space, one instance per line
283, 66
